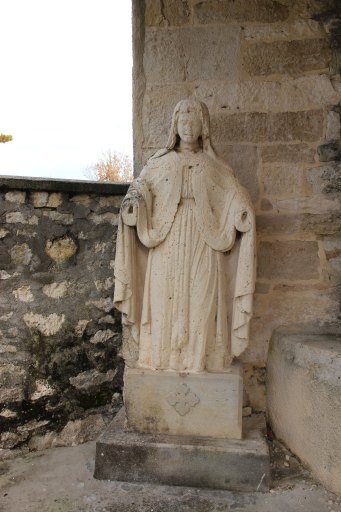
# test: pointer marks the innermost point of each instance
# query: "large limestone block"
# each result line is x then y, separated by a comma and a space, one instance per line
319, 224
242, 158
290, 153
192, 54
197, 404
289, 260
262, 127
215, 11
166, 13
288, 31
283, 180
317, 204
171, 460
304, 401
287, 57
293, 94
288, 305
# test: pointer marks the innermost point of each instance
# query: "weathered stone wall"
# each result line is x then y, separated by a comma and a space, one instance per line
268, 71
60, 371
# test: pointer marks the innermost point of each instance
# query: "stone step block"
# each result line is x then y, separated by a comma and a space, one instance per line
304, 400
237, 465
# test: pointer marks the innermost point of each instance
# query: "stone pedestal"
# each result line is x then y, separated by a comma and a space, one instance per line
195, 404
185, 429
238, 465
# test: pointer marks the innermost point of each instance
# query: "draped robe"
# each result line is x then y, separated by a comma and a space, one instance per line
185, 273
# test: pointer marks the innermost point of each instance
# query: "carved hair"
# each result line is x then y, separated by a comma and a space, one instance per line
190, 105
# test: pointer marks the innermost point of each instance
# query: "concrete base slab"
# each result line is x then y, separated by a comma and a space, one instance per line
194, 404
238, 465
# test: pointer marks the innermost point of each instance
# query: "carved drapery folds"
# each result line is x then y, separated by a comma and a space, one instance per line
185, 258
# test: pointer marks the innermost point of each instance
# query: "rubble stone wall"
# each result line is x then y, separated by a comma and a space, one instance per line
268, 71
60, 369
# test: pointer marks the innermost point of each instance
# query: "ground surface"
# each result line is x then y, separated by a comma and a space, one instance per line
60, 480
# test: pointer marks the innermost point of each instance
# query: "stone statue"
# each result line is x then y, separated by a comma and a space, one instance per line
185, 256
184, 281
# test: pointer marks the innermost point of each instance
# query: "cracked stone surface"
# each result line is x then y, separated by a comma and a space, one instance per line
61, 480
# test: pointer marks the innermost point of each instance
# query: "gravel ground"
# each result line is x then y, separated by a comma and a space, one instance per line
61, 480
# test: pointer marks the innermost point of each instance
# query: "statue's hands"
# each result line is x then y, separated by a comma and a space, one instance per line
129, 213
129, 207
243, 220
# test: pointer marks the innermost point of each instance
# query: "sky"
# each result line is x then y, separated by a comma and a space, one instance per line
65, 84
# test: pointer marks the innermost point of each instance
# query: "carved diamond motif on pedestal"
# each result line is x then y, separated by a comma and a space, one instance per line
183, 399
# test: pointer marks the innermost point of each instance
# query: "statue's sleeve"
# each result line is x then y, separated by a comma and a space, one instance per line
130, 260
245, 277
134, 237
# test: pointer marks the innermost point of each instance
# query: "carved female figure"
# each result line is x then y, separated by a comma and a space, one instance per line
185, 257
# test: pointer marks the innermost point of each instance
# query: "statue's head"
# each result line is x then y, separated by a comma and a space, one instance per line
201, 122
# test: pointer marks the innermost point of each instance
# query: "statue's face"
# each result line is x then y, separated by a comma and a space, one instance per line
189, 126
